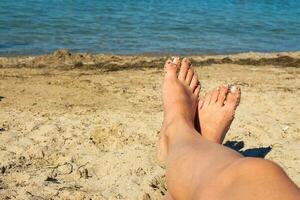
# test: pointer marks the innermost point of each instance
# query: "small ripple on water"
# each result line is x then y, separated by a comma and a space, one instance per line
136, 27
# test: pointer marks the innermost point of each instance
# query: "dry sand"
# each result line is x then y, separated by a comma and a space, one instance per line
81, 126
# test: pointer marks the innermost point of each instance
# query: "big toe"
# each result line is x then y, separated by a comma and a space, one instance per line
170, 68
233, 98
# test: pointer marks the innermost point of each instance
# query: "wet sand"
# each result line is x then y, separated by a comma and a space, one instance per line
83, 126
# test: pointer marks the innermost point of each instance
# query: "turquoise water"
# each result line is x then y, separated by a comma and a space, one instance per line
137, 27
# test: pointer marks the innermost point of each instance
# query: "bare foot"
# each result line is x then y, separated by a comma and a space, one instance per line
216, 112
180, 98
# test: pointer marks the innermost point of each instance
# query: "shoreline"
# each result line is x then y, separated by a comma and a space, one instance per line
65, 59
143, 54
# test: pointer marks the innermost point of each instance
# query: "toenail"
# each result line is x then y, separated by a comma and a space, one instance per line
175, 59
233, 89
225, 85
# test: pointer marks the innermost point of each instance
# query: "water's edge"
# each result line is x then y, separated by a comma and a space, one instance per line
65, 59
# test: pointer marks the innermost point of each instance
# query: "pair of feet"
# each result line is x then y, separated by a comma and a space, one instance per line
211, 116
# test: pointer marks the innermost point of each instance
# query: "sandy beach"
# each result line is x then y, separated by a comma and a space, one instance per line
84, 126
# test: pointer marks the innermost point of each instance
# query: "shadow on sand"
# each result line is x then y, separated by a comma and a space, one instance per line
260, 152
1, 97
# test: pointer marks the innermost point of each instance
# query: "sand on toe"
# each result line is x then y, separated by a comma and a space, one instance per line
90, 132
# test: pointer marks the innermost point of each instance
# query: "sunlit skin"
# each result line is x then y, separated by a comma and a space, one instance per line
197, 165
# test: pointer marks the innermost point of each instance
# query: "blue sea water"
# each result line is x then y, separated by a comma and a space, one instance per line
149, 26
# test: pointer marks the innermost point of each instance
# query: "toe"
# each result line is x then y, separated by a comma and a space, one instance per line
207, 99
176, 61
200, 104
233, 98
170, 67
189, 76
185, 65
194, 82
197, 90
222, 94
214, 95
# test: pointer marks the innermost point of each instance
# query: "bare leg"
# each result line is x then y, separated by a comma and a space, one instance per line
200, 168
188, 85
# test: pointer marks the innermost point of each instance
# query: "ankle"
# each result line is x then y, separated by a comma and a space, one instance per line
178, 125
211, 136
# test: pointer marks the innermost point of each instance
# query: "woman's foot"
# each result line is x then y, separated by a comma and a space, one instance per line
180, 98
216, 112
